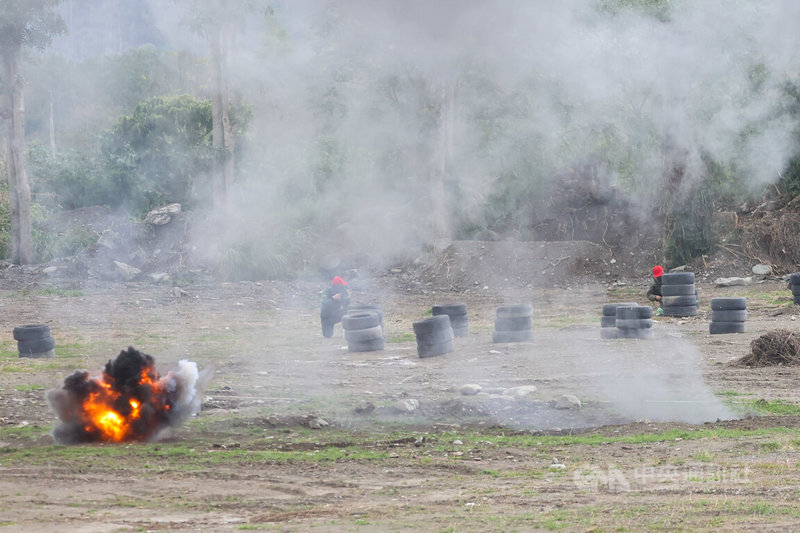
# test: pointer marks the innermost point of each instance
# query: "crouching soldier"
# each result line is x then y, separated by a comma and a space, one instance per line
335, 301
654, 292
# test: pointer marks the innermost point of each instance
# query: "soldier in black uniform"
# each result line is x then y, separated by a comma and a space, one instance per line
335, 302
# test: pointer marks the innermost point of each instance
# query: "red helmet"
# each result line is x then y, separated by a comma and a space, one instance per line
339, 281
658, 271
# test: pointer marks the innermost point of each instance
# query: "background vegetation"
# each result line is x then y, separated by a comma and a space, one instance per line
131, 129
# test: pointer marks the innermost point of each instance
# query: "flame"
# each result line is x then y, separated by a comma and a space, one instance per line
117, 417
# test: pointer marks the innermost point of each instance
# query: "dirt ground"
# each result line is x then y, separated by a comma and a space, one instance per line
668, 436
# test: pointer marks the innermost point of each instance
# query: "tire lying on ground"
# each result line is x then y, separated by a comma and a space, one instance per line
513, 323
30, 332
635, 322
678, 294
363, 330
434, 336
608, 322
457, 312
34, 340
728, 315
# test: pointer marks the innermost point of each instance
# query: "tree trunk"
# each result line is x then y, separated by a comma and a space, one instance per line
19, 192
222, 129
441, 101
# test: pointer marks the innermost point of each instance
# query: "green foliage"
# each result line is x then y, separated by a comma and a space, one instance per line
49, 243
160, 152
30, 23
658, 9
5, 213
70, 180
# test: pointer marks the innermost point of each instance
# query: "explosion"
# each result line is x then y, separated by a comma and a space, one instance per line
129, 402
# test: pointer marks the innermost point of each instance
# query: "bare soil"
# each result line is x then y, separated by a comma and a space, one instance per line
455, 462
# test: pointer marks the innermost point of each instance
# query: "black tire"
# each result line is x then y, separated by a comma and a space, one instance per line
672, 301
729, 315
435, 349
608, 321
427, 326
361, 320
687, 289
37, 346
795, 290
359, 309
794, 279
458, 321
519, 310
436, 336
725, 304
646, 333
327, 329
796, 300
611, 309
609, 333
634, 323
512, 323
367, 346
512, 336
461, 332
361, 335
450, 309
642, 311
680, 310
677, 278
49, 354
31, 332
716, 328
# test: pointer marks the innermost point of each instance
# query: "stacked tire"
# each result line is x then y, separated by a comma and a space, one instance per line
458, 317
513, 323
678, 294
363, 330
794, 284
728, 315
434, 336
634, 322
608, 322
34, 340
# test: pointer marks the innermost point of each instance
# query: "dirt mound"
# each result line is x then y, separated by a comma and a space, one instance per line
511, 264
777, 347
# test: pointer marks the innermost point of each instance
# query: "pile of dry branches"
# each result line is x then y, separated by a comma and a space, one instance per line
777, 347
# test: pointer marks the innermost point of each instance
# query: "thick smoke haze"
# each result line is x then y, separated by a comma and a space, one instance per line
346, 100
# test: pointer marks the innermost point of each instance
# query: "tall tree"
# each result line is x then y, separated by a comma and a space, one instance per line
217, 21
23, 23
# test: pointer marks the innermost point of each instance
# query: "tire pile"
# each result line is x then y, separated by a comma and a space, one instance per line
34, 340
678, 294
634, 322
434, 336
727, 315
608, 322
794, 284
363, 329
458, 317
513, 323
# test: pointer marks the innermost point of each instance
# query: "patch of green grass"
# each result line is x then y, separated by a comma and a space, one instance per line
58, 291
562, 321
704, 457
401, 337
728, 393
775, 407
772, 446
29, 388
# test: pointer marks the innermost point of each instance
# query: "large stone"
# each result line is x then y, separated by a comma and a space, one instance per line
162, 215
762, 270
125, 271
567, 401
732, 282
470, 389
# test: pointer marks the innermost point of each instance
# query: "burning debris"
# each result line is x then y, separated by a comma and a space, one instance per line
129, 402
